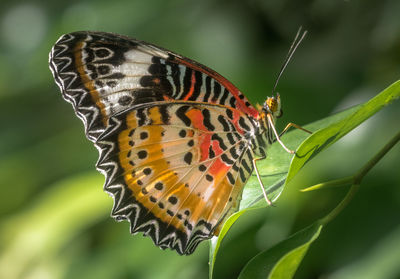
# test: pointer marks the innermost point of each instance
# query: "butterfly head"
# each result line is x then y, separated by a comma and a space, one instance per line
268, 113
272, 106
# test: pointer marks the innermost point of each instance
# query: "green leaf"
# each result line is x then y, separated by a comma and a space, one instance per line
282, 260
324, 138
280, 167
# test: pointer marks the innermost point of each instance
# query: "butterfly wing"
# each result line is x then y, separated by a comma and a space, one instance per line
176, 169
172, 133
102, 74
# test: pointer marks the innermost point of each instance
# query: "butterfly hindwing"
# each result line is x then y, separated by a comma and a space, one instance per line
102, 74
176, 169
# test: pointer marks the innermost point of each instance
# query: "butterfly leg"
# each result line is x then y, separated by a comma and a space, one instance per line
260, 181
294, 126
278, 137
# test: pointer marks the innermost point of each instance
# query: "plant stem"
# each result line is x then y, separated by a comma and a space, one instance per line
329, 184
371, 163
356, 180
346, 200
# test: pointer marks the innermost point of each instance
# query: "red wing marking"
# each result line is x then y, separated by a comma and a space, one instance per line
191, 90
231, 88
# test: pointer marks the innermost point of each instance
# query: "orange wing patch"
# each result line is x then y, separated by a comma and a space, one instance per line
169, 171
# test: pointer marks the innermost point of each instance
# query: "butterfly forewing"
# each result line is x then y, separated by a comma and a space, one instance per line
173, 135
102, 74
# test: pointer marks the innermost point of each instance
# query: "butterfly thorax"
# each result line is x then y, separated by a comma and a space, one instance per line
269, 112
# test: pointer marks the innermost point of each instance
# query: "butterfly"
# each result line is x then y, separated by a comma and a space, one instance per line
177, 141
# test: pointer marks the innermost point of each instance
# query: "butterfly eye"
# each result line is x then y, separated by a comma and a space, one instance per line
280, 114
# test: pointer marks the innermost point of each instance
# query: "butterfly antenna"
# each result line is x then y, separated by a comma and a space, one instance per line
296, 42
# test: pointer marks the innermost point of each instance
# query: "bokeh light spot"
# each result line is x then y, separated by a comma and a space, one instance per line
23, 27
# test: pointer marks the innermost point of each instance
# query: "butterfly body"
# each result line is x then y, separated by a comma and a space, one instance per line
177, 141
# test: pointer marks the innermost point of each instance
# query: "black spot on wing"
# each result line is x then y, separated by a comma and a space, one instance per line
224, 97
230, 178
159, 186
226, 159
141, 116
233, 153
188, 158
146, 95
164, 114
157, 69
144, 135
235, 166
246, 166
230, 138
243, 124
224, 123
173, 199
187, 81
229, 113
170, 213
197, 86
220, 141
157, 83
142, 154
217, 91
176, 77
232, 102
125, 100
180, 112
207, 120
182, 133
208, 89
211, 153
242, 175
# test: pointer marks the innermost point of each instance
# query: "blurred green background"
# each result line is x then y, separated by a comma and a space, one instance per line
54, 216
